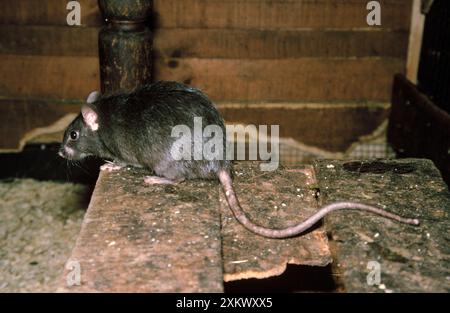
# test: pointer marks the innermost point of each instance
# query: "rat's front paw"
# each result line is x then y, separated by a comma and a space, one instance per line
110, 167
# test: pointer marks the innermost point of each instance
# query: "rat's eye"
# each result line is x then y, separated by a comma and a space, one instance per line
73, 135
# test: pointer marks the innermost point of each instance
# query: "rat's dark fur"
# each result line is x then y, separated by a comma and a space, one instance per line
135, 129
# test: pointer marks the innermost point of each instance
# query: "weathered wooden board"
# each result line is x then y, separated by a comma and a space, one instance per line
22, 120
49, 40
139, 238
222, 14
278, 13
274, 199
415, 40
411, 259
330, 127
212, 43
281, 43
418, 127
62, 77
306, 79
46, 12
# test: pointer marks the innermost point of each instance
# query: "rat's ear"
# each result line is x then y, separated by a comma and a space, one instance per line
93, 97
90, 117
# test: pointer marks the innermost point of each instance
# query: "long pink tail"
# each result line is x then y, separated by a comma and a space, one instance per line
233, 202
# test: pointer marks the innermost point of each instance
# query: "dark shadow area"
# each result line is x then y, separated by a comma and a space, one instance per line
42, 162
296, 278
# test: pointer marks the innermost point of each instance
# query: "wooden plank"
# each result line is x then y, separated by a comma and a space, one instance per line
268, 44
275, 199
138, 238
63, 77
49, 40
410, 259
308, 79
305, 79
46, 12
415, 41
223, 14
263, 14
329, 127
22, 120
212, 43
418, 127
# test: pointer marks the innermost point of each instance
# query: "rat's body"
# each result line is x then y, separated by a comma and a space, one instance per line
135, 129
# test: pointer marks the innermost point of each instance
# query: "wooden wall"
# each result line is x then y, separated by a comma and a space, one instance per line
237, 51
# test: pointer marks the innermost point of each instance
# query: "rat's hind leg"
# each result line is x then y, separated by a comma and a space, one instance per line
167, 172
157, 180
112, 166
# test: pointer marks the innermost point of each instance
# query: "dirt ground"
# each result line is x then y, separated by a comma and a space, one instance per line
39, 223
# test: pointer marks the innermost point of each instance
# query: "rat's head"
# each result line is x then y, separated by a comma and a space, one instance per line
81, 136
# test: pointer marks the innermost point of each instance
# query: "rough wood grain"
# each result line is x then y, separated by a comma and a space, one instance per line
327, 126
274, 199
212, 43
223, 14
280, 43
415, 41
418, 127
22, 120
412, 259
62, 77
308, 79
125, 46
143, 238
278, 13
125, 60
49, 40
46, 12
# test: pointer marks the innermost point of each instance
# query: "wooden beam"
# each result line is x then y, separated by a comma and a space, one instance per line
23, 120
308, 79
212, 43
277, 14
47, 12
248, 14
419, 128
49, 40
415, 41
277, 44
328, 127
140, 238
125, 46
275, 199
364, 244
62, 77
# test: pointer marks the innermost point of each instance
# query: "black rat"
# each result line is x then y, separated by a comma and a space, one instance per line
135, 129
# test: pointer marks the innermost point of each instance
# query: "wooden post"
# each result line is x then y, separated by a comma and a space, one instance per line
125, 45
415, 41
